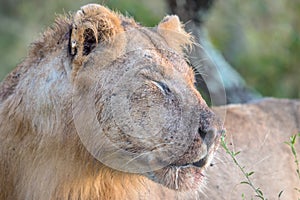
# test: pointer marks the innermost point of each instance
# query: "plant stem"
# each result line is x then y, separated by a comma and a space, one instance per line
247, 175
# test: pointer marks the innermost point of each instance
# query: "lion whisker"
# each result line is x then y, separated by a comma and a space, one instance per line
133, 159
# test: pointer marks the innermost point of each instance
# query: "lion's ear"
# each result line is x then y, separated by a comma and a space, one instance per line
92, 24
172, 30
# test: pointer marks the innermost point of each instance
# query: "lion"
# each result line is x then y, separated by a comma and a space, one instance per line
104, 108
259, 131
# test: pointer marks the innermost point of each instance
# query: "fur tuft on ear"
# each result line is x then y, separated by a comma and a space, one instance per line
91, 25
172, 30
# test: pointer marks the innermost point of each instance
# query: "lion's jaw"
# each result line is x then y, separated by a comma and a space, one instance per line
188, 175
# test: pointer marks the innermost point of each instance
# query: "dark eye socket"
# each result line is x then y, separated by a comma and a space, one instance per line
164, 87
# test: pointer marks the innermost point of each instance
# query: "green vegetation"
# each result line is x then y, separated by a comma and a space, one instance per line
248, 181
257, 190
292, 143
261, 39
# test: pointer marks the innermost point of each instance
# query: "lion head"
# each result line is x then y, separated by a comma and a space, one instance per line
143, 97
97, 83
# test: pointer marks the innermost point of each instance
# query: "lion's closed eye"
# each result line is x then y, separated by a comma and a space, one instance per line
163, 87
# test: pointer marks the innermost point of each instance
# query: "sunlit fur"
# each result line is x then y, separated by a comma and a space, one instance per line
41, 155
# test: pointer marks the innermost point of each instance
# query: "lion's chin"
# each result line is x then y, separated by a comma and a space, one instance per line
179, 178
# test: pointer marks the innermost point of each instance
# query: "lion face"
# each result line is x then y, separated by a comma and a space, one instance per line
136, 95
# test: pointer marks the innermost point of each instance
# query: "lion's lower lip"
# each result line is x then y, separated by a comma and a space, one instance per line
184, 182
198, 164
194, 167
189, 176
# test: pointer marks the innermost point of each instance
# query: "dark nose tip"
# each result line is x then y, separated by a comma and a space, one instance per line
208, 136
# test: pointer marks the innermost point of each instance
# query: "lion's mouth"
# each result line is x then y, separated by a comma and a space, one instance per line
198, 164
187, 173
189, 176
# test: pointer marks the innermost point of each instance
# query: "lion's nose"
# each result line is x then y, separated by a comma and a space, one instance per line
208, 136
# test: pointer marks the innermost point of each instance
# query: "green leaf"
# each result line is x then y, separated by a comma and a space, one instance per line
280, 193
288, 143
260, 197
249, 174
298, 190
259, 192
245, 182
293, 139
243, 196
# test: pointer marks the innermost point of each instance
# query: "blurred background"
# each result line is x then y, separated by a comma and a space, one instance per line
260, 39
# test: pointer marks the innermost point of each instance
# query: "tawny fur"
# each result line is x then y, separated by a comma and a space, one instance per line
41, 155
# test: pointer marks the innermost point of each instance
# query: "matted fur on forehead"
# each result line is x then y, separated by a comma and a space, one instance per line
98, 18
52, 38
56, 38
